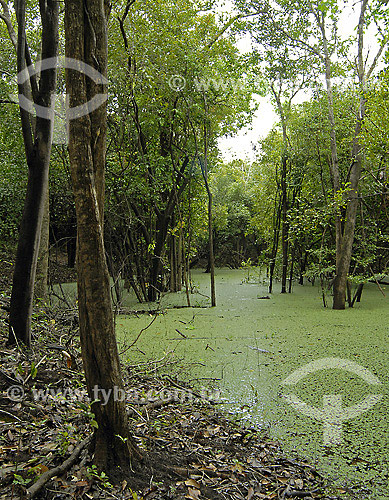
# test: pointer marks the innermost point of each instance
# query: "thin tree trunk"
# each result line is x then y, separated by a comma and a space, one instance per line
292, 269
211, 253
276, 236
284, 188
173, 264
211, 257
180, 258
43, 256
285, 226
38, 151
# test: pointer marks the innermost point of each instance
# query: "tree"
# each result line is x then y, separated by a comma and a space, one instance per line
37, 138
86, 42
314, 27
157, 129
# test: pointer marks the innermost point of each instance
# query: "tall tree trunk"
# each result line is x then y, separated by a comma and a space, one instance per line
292, 268
38, 151
345, 235
347, 238
211, 257
343, 263
155, 281
284, 185
276, 237
173, 264
43, 256
86, 41
285, 225
180, 258
211, 252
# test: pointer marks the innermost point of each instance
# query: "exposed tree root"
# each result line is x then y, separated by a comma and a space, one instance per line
46, 476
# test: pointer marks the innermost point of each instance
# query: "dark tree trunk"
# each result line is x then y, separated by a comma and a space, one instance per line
155, 285
42, 268
71, 248
303, 266
358, 294
292, 269
211, 251
114, 446
276, 235
211, 258
173, 263
38, 150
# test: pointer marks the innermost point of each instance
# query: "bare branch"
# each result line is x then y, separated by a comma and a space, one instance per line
6, 17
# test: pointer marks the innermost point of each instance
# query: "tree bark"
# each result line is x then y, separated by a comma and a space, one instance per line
114, 446
344, 247
285, 225
211, 257
43, 256
38, 150
284, 186
276, 237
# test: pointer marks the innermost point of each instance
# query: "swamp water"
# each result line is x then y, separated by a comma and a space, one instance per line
252, 345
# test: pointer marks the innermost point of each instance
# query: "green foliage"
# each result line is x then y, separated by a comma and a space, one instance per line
93, 473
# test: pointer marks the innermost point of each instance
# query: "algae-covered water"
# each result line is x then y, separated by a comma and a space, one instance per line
252, 345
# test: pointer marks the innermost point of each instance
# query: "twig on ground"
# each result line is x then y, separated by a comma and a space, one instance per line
46, 476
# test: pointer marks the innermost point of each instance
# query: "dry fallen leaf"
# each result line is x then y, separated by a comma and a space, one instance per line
254, 462
41, 468
82, 483
250, 493
192, 482
299, 483
193, 494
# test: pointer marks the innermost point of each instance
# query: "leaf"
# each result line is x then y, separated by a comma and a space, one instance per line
299, 483
250, 493
254, 462
41, 468
192, 482
193, 494
82, 483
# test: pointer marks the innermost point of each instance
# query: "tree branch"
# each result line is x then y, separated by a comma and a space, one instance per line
46, 476
6, 17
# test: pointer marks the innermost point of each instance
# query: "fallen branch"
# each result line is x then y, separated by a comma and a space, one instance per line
188, 472
128, 312
298, 494
150, 406
46, 476
139, 334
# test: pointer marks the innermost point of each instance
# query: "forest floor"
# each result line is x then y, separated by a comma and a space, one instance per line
191, 451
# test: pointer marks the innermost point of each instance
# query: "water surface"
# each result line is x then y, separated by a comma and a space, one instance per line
229, 343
